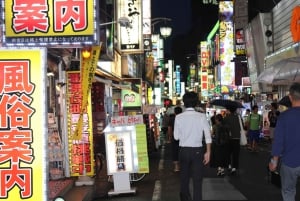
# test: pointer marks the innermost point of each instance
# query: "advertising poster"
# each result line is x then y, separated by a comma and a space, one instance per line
49, 22
80, 151
88, 69
142, 150
226, 43
23, 141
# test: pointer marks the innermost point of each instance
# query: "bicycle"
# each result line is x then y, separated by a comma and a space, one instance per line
99, 163
134, 177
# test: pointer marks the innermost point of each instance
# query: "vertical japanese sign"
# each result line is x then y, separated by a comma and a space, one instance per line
204, 65
240, 46
142, 150
88, 69
226, 42
23, 147
44, 22
130, 37
80, 151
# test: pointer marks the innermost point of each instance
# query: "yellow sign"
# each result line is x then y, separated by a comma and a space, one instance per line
88, 69
81, 153
50, 22
23, 151
142, 150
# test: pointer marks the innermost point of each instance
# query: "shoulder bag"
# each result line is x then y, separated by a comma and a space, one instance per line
243, 138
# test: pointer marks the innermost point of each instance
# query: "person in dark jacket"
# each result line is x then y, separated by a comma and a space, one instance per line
272, 117
175, 143
286, 146
221, 134
231, 121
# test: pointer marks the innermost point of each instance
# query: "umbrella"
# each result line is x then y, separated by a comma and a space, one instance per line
283, 72
285, 101
226, 103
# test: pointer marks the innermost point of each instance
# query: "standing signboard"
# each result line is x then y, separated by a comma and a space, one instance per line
126, 149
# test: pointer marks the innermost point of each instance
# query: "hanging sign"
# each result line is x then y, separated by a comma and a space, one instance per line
130, 36
80, 151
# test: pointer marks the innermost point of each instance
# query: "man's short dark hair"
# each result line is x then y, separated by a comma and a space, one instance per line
254, 107
177, 110
190, 99
295, 91
274, 105
231, 109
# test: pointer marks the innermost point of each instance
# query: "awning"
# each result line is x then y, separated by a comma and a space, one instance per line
267, 76
283, 72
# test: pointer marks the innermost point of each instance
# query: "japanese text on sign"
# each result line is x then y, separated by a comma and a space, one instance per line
16, 135
36, 19
80, 150
127, 120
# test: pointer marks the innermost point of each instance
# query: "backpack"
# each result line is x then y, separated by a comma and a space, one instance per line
222, 135
273, 118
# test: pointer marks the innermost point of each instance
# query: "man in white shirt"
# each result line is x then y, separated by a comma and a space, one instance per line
190, 128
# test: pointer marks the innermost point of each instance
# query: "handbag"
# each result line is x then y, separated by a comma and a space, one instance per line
243, 138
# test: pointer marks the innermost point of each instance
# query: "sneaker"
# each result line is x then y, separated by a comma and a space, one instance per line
176, 169
220, 172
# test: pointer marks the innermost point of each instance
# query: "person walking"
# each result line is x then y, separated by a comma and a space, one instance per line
272, 118
175, 143
286, 146
221, 135
164, 126
190, 127
254, 125
231, 121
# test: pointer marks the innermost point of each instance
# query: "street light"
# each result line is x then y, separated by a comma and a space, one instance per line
165, 31
123, 21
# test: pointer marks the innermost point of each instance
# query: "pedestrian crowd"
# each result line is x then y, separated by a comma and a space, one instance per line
216, 141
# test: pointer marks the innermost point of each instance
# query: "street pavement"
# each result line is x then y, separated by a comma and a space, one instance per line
162, 184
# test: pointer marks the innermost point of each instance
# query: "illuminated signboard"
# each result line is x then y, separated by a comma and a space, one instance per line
80, 151
45, 22
23, 146
204, 66
126, 148
131, 99
240, 47
177, 80
226, 43
130, 37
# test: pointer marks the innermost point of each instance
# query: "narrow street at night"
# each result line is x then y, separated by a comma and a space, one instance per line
162, 184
